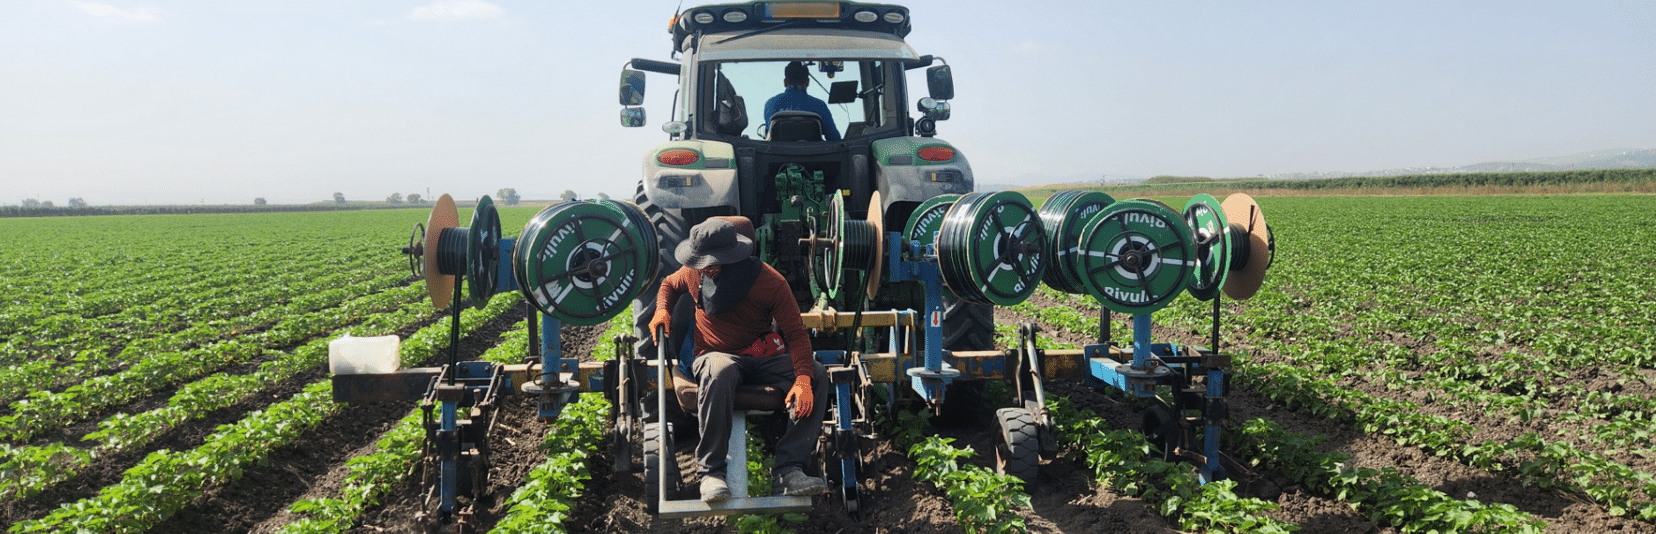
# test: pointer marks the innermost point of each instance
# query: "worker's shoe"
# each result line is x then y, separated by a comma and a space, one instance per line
714, 489
796, 482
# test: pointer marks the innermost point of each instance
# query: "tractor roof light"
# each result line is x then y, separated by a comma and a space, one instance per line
866, 16
703, 17
937, 153
895, 17
678, 157
802, 10
735, 16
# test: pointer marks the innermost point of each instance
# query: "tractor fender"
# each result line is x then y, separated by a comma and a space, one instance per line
708, 181
901, 175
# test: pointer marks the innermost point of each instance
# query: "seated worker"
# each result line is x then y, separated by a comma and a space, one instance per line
795, 79
737, 300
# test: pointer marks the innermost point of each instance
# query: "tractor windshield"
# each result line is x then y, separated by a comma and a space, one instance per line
851, 97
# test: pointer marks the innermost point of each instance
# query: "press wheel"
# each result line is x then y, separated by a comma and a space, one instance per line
1161, 430
658, 450
1018, 449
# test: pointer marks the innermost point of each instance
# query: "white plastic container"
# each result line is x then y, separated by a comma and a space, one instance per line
362, 355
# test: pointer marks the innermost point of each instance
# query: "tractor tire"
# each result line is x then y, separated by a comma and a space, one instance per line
1017, 452
670, 229
966, 326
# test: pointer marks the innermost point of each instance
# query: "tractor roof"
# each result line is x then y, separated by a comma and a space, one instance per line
764, 15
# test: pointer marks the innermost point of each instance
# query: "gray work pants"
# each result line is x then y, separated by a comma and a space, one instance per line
717, 374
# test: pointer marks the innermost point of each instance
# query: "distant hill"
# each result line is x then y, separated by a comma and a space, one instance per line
1619, 158
1622, 158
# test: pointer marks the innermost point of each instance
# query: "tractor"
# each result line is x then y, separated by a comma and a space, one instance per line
894, 259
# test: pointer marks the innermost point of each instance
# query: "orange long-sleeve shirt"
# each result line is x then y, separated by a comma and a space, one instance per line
769, 299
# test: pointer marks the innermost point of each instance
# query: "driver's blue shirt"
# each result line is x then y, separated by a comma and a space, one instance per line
795, 99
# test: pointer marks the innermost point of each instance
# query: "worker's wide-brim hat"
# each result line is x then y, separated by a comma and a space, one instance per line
714, 242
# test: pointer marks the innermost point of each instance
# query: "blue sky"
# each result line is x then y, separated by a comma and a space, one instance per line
189, 101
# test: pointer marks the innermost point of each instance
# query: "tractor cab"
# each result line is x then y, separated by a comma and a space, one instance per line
748, 140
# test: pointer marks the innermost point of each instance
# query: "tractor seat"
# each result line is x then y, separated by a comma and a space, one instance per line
748, 398
788, 126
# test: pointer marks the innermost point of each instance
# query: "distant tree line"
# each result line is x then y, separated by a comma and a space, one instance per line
1479, 179
49, 211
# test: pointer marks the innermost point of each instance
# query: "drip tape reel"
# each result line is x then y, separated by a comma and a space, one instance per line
1253, 247
1210, 231
442, 250
1065, 215
990, 248
845, 244
1135, 256
584, 262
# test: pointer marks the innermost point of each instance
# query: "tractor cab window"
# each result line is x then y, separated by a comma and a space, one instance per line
840, 99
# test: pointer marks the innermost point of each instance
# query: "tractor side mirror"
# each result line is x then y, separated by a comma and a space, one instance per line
939, 82
632, 87
632, 117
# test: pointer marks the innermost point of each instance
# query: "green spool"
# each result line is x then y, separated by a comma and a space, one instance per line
927, 218
1135, 256
990, 248
1065, 215
1210, 235
584, 262
483, 252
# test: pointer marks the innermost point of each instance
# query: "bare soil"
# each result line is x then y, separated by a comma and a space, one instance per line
1064, 498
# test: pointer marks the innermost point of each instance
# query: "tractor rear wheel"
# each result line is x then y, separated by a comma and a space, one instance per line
966, 326
670, 229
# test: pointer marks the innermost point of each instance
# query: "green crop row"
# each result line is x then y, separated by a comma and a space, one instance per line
1385, 496
549, 492
47, 410
167, 480
1557, 465
28, 470
371, 475
983, 501
1121, 459
106, 350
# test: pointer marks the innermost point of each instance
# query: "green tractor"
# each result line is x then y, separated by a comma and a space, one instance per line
803, 178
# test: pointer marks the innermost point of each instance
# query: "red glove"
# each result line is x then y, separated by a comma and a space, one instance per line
800, 401
658, 323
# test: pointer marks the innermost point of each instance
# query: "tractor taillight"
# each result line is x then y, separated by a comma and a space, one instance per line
936, 153
678, 156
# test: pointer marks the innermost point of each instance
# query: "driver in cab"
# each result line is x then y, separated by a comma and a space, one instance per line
795, 79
